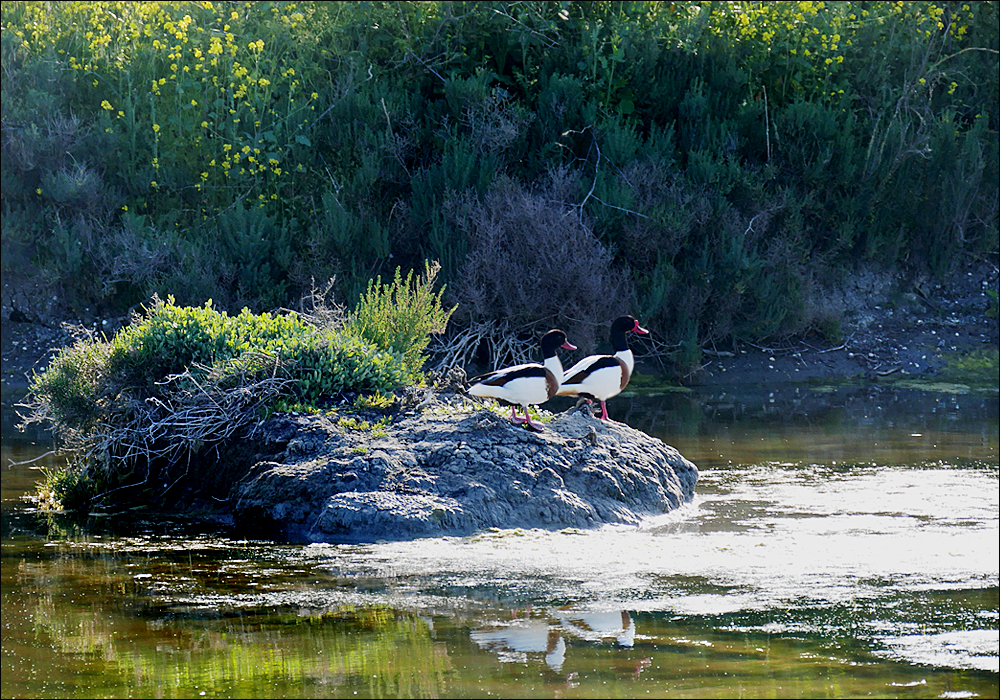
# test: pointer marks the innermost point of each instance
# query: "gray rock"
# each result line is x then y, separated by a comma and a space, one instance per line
455, 469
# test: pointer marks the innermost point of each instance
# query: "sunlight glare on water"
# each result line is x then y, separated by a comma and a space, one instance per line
968, 649
777, 534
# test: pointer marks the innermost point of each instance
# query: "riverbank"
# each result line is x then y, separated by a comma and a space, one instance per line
887, 329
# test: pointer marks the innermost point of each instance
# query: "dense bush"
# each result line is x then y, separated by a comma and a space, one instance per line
533, 261
729, 158
182, 380
91, 380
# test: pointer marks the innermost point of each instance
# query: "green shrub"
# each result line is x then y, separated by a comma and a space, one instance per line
400, 317
68, 488
380, 350
324, 366
75, 384
181, 380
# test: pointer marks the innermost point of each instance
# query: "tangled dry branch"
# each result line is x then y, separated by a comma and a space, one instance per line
193, 415
504, 346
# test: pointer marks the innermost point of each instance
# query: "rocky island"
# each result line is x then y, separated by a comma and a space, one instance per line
455, 468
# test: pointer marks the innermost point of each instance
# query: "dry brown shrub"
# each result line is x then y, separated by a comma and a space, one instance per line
533, 265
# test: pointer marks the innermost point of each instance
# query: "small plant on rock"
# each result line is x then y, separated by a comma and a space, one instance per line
399, 317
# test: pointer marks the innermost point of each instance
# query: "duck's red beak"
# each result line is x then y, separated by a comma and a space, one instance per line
568, 346
639, 329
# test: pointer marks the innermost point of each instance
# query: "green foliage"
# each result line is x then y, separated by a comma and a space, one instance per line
92, 380
979, 368
376, 399
324, 367
994, 310
237, 151
74, 385
68, 488
399, 317
377, 429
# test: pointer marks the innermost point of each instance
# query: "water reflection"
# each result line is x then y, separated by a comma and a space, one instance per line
838, 569
516, 640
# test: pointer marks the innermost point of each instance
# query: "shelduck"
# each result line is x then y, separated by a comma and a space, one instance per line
603, 376
528, 384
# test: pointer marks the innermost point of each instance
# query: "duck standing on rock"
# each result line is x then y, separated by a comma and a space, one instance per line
528, 384
603, 376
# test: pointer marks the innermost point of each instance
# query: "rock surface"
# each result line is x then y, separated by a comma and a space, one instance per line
455, 469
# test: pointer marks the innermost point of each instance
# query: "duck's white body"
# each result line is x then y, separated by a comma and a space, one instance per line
604, 376
528, 384
521, 385
599, 376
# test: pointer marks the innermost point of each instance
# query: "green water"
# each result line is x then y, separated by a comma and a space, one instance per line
841, 544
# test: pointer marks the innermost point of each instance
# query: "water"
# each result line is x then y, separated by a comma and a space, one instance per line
841, 543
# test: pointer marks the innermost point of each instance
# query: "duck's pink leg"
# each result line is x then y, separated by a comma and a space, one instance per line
531, 423
516, 419
604, 410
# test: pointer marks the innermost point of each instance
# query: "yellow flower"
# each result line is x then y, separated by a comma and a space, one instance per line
38, 190
156, 128
106, 105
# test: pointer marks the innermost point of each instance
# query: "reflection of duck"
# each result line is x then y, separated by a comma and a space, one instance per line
515, 641
529, 384
598, 626
603, 376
